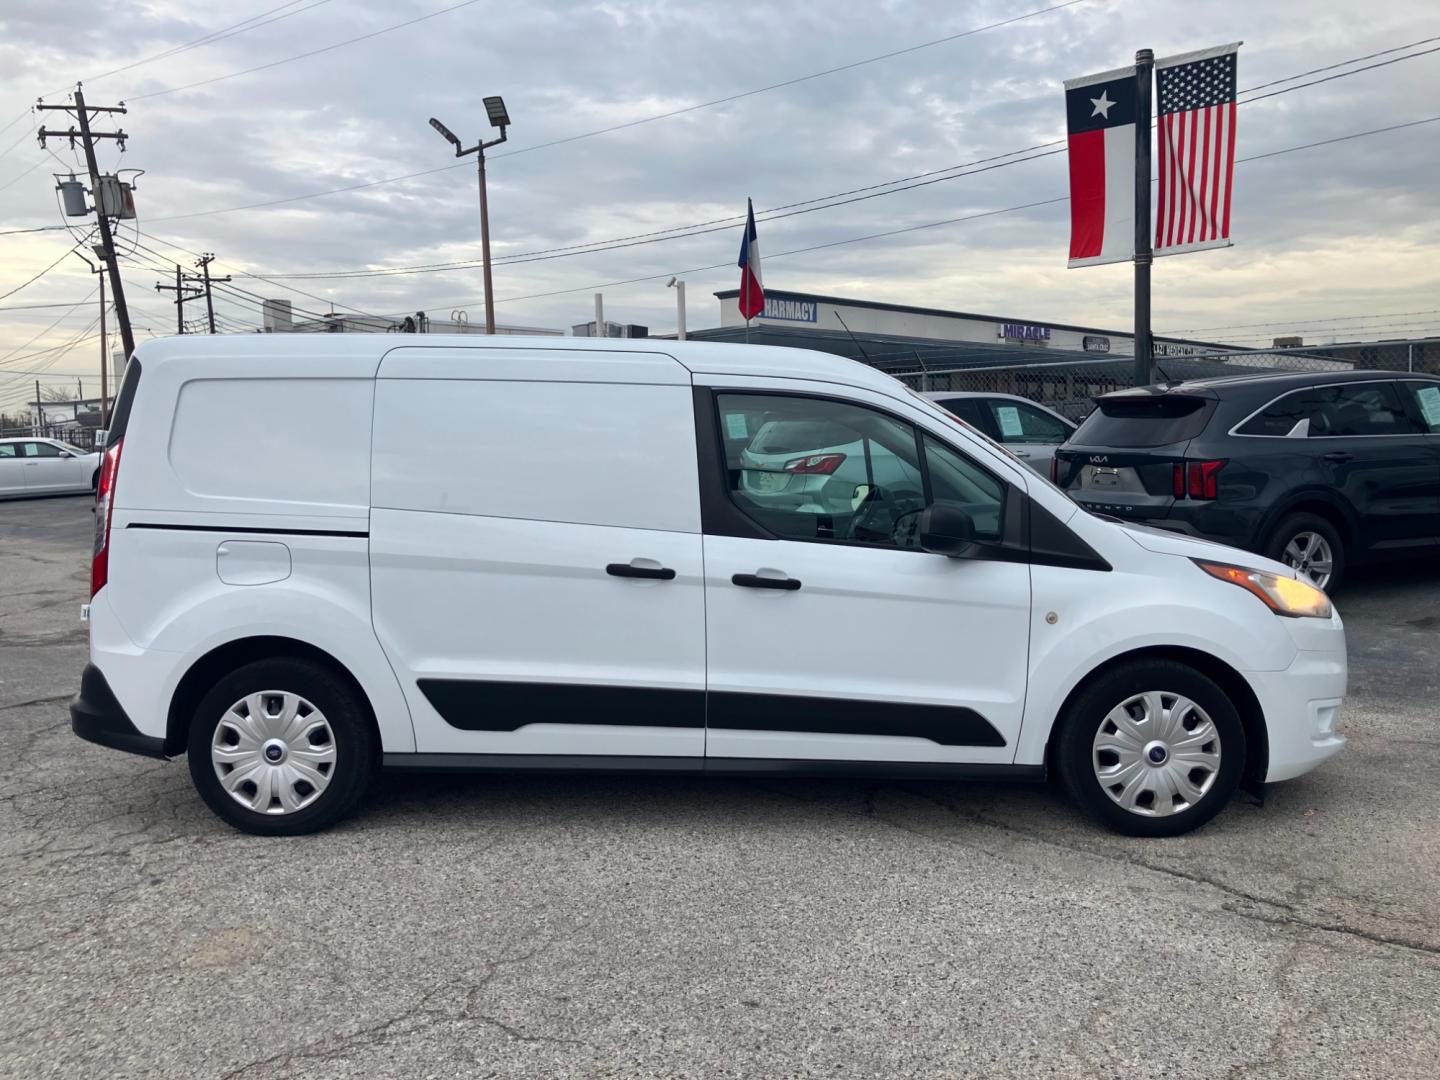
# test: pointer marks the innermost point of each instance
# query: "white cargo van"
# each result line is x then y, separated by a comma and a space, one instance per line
317, 556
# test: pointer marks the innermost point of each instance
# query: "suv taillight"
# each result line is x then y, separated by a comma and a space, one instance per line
1055, 470
104, 505
816, 464
1196, 479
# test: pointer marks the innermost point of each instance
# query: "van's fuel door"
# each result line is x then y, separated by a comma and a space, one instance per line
252, 562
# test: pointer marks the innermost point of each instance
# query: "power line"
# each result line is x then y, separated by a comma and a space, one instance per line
628, 124
1345, 74
52, 326
798, 79
215, 35
37, 277
1308, 322
714, 225
306, 55
1342, 63
929, 225
729, 220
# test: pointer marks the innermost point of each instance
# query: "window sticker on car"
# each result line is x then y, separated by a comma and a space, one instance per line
1430, 405
735, 425
1009, 418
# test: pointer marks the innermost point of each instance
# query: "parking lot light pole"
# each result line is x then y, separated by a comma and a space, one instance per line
679, 287
495, 110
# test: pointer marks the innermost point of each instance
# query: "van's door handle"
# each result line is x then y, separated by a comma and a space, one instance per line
755, 581
1339, 457
659, 573
1020, 453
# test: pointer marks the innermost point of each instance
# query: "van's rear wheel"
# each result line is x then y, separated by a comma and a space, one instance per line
1152, 748
281, 747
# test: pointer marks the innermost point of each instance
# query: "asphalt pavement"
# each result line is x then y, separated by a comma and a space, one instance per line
579, 927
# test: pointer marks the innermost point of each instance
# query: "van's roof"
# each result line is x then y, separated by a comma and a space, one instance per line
365, 351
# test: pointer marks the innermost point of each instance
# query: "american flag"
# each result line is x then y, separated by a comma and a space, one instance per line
1197, 150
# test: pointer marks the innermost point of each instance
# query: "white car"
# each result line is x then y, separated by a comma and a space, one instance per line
45, 467
1026, 428
295, 607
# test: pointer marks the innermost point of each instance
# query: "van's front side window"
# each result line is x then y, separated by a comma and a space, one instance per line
823, 470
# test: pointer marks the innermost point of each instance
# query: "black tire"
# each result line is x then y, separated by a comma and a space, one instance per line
355, 744
1296, 524
95, 482
1075, 753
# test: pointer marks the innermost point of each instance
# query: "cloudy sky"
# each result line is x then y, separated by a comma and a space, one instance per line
1322, 235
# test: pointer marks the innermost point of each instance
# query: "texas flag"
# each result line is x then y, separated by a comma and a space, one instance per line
752, 289
1100, 114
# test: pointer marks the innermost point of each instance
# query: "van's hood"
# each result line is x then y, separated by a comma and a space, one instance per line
1165, 542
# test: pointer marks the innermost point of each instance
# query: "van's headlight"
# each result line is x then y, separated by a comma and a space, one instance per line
1282, 595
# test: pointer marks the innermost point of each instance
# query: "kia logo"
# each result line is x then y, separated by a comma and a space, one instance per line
1099, 459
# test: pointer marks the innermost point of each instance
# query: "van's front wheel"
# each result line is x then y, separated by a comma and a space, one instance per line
1152, 748
281, 747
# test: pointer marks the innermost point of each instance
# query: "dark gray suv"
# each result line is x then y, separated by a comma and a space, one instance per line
1321, 471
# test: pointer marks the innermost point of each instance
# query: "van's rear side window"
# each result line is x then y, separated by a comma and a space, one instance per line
1161, 420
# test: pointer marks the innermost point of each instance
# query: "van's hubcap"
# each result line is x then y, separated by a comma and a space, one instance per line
273, 752
1156, 754
1309, 555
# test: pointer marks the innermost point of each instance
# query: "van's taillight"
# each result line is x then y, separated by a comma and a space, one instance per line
816, 464
1055, 471
104, 504
1196, 479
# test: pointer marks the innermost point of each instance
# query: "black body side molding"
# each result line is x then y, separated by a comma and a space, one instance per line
486, 705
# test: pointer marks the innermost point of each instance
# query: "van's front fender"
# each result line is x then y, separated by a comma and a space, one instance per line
1096, 621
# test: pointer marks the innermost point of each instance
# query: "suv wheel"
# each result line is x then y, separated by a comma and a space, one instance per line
281, 747
1151, 748
1312, 547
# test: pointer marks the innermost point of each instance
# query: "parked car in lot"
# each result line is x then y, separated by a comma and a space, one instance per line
1026, 428
295, 607
33, 466
1321, 471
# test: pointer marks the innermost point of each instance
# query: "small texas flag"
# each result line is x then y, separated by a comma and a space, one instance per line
752, 289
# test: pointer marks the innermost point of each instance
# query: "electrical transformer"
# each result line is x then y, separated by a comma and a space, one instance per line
72, 197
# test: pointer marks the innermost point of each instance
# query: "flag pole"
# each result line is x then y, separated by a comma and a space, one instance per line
1144, 252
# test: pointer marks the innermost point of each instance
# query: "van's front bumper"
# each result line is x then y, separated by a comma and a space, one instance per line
96, 715
1302, 702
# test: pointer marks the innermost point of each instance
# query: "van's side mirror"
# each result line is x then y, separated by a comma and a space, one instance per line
947, 530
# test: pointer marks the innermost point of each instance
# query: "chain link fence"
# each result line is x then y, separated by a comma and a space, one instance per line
1070, 382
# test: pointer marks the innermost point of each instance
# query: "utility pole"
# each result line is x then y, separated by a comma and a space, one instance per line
107, 240
204, 263
183, 291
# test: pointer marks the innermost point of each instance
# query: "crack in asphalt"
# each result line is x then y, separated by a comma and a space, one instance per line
39, 701
418, 1017
1294, 919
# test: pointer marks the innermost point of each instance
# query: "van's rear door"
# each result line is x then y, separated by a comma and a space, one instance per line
1125, 457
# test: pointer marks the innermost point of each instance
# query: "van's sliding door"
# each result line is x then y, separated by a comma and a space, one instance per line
535, 551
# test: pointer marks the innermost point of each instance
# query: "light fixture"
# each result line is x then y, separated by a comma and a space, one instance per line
495, 108
446, 132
